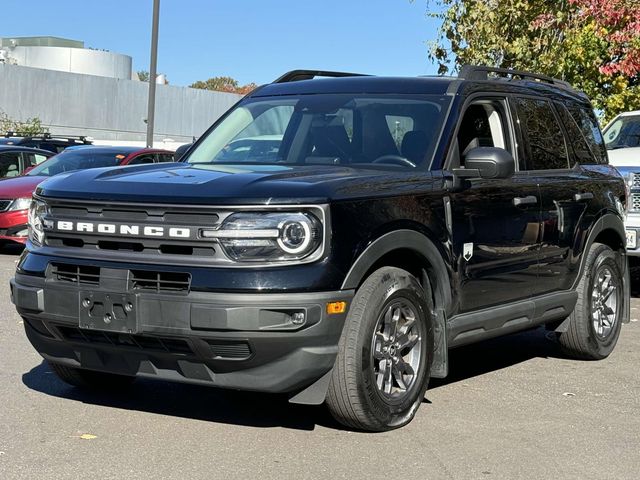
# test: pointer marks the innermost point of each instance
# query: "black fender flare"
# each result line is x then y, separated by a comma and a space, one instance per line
410, 240
608, 221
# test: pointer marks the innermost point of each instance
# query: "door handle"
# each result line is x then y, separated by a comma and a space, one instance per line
529, 200
583, 196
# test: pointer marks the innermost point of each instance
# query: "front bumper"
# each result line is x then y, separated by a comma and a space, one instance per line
231, 340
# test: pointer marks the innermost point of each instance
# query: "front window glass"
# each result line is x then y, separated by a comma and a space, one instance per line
341, 129
79, 159
624, 132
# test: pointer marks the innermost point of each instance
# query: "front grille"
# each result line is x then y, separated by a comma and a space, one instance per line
78, 274
159, 281
5, 204
635, 202
147, 247
139, 342
636, 180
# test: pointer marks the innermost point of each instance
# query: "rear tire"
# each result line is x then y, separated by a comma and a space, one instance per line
384, 354
595, 323
89, 379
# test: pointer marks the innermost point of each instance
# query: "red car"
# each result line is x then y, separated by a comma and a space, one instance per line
16, 192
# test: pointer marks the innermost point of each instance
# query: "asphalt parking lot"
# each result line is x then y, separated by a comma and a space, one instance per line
512, 408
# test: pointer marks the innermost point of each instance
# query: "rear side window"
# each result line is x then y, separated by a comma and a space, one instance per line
575, 138
165, 157
586, 121
544, 139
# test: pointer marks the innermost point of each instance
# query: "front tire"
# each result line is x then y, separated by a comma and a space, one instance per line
89, 379
595, 323
384, 354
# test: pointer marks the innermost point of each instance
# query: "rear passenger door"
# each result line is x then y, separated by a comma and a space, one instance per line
564, 189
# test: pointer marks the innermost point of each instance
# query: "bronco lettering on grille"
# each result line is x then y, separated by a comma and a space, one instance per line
126, 230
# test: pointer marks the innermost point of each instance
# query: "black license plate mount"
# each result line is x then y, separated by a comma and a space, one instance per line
109, 312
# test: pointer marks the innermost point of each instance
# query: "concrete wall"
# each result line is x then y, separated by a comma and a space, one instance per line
107, 109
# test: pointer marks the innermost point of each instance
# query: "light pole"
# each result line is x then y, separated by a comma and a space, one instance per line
153, 72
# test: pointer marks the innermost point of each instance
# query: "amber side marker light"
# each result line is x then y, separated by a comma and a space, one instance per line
334, 308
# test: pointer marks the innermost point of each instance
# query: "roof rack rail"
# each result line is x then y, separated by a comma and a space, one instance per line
46, 136
296, 75
481, 72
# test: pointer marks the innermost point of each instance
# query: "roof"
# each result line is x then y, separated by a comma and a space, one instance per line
21, 148
335, 83
125, 150
360, 84
629, 114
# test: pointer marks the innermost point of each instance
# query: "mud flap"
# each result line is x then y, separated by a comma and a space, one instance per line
626, 291
440, 364
315, 393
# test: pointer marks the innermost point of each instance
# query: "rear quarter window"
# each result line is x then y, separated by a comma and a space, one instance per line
586, 121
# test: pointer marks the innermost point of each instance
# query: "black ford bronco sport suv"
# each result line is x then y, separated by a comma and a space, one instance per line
332, 239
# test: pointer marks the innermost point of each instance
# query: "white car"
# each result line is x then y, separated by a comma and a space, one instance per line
622, 137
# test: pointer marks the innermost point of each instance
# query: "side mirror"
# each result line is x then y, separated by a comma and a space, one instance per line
486, 162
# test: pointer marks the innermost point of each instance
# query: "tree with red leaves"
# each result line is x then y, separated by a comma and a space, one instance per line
593, 44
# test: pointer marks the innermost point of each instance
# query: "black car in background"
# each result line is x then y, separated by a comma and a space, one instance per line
15, 160
46, 141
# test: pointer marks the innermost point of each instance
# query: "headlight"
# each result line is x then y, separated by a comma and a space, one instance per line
260, 237
37, 210
19, 204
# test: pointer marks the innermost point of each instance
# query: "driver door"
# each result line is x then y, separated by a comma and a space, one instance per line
495, 223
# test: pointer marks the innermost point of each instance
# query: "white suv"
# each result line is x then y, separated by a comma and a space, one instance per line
622, 137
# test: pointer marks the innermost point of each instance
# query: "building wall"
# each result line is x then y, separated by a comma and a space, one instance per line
74, 60
108, 109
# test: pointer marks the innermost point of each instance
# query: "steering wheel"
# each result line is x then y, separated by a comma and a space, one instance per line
395, 160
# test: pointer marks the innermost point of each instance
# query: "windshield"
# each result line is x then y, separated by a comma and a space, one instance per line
624, 132
336, 129
79, 159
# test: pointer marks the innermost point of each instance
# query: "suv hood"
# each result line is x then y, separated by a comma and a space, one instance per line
624, 157
233, 184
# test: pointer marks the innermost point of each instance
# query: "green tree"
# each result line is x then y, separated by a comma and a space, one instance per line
593, 44
224, 84
143, 75
31, 126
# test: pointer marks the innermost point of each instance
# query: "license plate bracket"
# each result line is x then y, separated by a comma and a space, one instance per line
632, 239
109, 312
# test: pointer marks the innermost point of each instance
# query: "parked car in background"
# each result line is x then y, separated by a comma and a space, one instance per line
15, 193
46, 141
16, 160
622, 138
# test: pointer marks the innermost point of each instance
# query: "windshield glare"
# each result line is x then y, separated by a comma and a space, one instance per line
81, 159
354, 130
624, 132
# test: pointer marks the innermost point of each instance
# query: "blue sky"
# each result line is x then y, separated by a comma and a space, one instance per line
250, 40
